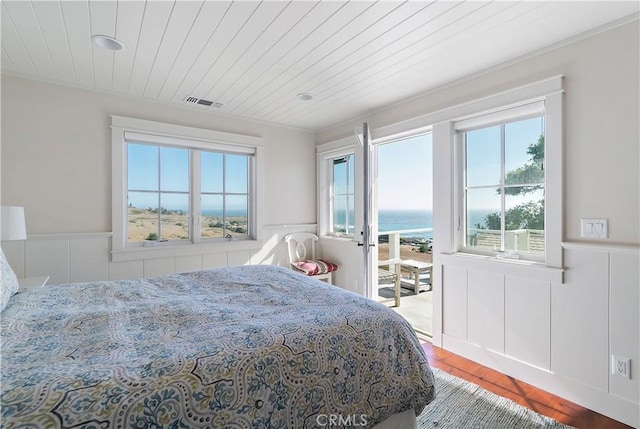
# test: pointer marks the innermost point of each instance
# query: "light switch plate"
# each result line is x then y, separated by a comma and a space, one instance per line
594, 228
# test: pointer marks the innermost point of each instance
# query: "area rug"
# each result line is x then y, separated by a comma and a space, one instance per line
461, 404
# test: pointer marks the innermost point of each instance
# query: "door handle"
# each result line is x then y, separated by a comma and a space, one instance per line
361, 243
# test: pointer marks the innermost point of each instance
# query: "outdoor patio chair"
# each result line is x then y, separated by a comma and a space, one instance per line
391, 277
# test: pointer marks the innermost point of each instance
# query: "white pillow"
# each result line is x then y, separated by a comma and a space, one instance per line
8, 281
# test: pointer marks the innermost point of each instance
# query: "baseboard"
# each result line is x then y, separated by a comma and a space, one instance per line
611, 406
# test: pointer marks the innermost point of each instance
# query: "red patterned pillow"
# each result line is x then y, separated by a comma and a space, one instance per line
314, 267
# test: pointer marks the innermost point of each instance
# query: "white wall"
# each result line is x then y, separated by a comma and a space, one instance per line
601, 150
56, 162
85, 257
56, 156
556, 335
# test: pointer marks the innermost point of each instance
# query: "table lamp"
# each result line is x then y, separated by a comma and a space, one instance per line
13, 223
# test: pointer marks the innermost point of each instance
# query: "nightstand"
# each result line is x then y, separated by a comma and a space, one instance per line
30, 282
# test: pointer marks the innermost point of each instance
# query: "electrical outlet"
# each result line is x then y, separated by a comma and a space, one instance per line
621, 366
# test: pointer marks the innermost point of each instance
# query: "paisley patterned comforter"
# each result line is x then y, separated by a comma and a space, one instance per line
243, 347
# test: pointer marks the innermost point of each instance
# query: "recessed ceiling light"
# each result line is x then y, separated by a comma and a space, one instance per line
107, 42
305, 96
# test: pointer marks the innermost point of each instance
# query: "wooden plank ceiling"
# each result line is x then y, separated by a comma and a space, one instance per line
255, 57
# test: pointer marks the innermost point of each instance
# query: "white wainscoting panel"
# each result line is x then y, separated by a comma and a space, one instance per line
14, 251
557, 336
580, 319
88, 259
187, 264
48, 257
625, 313
126, 270
159, 267
454, 301
486, 309
274, 250
214, 260
238, 257
528, 321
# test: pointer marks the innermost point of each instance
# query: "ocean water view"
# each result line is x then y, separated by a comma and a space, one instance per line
396, 220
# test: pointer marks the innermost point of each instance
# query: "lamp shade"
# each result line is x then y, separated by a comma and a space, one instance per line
13, 223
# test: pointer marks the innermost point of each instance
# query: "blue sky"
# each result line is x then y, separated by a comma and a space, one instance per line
483, 161
143, 175
405, 180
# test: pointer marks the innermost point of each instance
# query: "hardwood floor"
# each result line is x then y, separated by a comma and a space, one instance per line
522, 393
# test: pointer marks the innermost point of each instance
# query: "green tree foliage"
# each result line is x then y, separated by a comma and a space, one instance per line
529, 215
491, 221
152, 236
531, 172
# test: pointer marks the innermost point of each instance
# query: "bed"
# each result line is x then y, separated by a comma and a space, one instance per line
239, 347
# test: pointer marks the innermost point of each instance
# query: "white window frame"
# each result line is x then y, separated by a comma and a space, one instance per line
332, 195
499, 118
326, 192
125, 129
549, 92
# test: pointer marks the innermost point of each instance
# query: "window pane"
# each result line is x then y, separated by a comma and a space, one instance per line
175, 169
236, 177
351, 169
483, 157
352, 215
142, 167
174, 216
340, 176
237, 215
524, 218
142, 216
211, 171
343, 190
483, 219
524, 151
340, 214
212, 220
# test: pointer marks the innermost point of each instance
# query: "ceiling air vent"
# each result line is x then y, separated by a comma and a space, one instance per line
202, 102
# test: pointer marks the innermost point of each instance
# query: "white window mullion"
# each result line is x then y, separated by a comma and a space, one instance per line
503, 197
256, 172
332, 195
224, 195
119, 191
195, 197
159, 193
460, 179
346, 195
